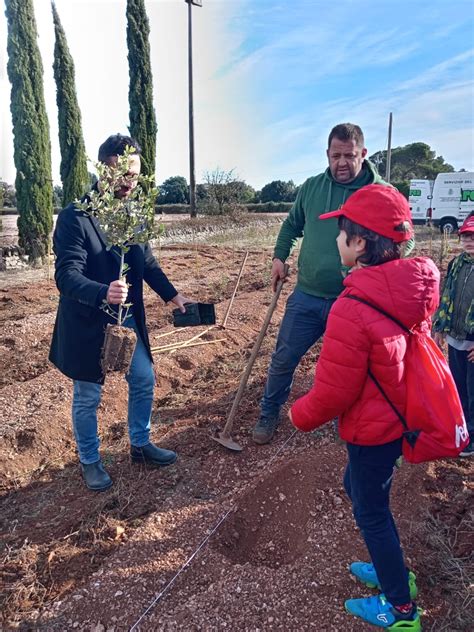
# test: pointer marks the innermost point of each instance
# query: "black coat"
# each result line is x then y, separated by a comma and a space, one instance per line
84, 270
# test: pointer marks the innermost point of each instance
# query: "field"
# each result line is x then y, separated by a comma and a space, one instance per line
275, 526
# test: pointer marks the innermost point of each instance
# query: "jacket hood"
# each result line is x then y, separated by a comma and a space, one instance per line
407, 289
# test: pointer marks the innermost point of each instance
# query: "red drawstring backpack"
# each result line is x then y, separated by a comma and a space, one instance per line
434, 424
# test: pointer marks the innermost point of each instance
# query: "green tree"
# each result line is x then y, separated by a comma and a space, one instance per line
8, 195
73, 166
403, 186
32, 147
278, 191
416, 160
123, 221
224, 191
174, 190
58, 196
244, 192
140, 95
92, 179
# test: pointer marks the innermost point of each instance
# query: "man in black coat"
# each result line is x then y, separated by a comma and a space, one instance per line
86, 275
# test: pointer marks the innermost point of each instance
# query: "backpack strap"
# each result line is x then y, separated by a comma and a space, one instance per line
389, 402
410, 435
381, 311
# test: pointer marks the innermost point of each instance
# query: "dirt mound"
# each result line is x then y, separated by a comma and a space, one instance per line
274, 521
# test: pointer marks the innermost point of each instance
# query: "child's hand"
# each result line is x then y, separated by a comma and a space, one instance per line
470, 355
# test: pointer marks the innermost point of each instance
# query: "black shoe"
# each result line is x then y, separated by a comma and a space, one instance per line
95, 477
152, 455
265, 429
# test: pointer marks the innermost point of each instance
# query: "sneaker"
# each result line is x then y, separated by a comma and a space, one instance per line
265, 429
151, 454
95, 477
367, 575
468, 450
378, 611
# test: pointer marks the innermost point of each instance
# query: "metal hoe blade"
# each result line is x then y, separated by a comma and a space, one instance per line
228, 442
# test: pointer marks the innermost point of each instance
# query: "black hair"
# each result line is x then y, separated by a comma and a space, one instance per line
115, 145
378, 249
345, 132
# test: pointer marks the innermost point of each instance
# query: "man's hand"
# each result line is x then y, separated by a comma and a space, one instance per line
117, 292
179, 300
439, 337
470, 355
278, 272
289, 416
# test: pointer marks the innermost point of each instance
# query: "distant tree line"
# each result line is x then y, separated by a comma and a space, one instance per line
222, 189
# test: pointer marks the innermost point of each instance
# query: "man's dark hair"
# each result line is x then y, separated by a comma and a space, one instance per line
345, 132
115, 146
378, 249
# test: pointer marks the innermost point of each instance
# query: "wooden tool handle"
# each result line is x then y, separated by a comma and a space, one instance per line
229, 307
253, 355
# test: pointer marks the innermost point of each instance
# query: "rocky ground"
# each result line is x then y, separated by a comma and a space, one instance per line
268, 532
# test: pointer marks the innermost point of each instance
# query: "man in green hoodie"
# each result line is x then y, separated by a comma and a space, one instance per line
319, 265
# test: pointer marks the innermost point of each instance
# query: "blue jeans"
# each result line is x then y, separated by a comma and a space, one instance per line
463, 374
367, 481
86, 399
303, 324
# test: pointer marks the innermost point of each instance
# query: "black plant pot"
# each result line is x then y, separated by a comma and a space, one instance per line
196, 314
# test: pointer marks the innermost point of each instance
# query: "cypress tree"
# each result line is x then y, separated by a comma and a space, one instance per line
140, 95
32, 147
73, 166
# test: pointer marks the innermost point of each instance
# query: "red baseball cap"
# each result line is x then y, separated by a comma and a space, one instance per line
380, 208
468, 225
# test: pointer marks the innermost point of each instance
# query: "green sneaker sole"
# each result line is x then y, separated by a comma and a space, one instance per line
408, 626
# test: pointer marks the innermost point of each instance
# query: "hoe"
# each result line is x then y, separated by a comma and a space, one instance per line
224, 437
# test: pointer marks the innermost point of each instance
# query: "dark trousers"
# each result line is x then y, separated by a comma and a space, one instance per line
463, 374
303, 324
367, 481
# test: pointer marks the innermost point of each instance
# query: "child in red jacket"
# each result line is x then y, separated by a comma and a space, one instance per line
373, 224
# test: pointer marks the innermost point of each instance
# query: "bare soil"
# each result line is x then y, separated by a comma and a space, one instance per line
276, 529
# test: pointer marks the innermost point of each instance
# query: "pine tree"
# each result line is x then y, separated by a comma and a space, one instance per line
73, 168
140, 95
32, 147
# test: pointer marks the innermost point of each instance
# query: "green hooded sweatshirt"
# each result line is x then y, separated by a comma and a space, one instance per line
319, 263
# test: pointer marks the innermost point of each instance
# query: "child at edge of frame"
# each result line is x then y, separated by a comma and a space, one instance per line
373, 225
454, 322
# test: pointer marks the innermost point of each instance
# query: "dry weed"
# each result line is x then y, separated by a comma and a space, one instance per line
456, 573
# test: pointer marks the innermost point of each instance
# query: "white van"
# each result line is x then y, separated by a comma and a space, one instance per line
419, 198
453, 199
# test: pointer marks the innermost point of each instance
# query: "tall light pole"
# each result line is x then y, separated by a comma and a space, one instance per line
192, 178
389, 150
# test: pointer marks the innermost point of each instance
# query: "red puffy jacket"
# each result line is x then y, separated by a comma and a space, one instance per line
358, 337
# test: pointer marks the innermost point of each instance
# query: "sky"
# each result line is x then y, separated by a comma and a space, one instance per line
271, 78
